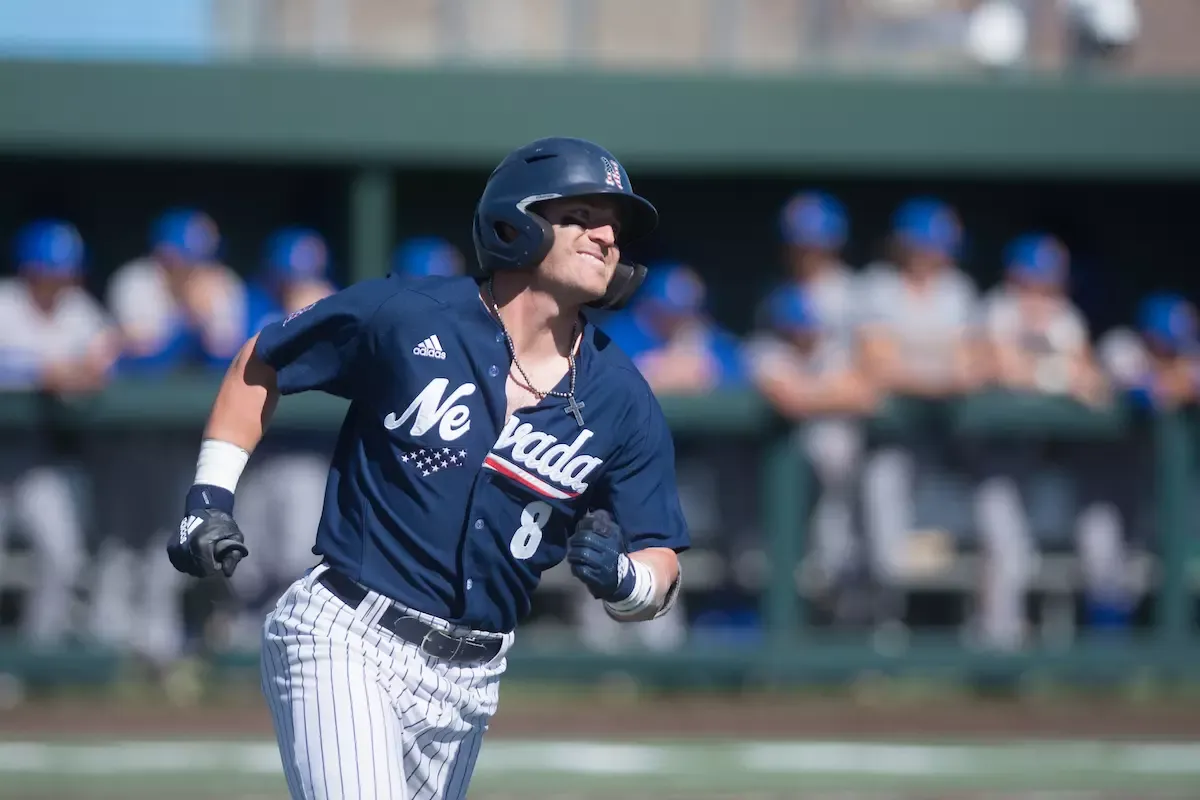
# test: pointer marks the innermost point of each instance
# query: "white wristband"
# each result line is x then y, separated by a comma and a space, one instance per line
643, 595
220, 464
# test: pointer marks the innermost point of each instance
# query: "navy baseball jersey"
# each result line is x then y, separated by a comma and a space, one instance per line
434, 498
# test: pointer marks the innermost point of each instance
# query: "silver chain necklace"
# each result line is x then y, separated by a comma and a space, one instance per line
573, 408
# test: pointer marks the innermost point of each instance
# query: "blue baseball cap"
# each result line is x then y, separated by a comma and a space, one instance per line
926, 223
790, 309
425, 256
50, 247
815, 219
1038, 258
673, 287
190, 233
297, 254
1169, 320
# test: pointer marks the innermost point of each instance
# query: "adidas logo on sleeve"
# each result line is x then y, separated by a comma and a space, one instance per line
430, 348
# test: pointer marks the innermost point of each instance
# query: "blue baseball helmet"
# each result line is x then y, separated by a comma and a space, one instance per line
191, 234
548, 169
1037, 258
1170, 320
424, 256
49, 247
674, 288
926, 223
297, 254
815, 219
789, 309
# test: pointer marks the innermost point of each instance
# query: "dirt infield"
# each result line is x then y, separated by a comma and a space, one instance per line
598, 715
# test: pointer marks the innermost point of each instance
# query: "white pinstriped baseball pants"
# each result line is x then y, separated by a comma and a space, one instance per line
359, 713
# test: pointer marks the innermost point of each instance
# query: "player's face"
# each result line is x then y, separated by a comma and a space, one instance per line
584, 255
805, 262
44, 289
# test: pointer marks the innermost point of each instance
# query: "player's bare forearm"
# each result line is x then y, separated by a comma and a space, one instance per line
664, 563
799, 397
246, 401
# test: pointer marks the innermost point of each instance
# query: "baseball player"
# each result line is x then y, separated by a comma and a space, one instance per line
178, 309
808, 373
282, 491
915, 332
487, 419
1155, 365
423, 256
54, 337
673, 343
1036, 341
815, 227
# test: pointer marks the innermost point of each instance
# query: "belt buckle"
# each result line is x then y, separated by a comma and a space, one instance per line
430, 651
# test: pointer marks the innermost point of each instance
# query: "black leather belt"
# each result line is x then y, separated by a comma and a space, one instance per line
433, 642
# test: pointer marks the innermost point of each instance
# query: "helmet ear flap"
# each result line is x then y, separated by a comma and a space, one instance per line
621, 287
511, 241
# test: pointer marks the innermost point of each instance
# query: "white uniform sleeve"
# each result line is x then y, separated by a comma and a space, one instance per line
873, 289
140, 304
1068, 332
965, 300
1123, 357
225, 323
999, 317
767, 355
20, 363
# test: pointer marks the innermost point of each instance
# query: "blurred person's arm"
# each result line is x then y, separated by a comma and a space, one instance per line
1010, 366
141, 306
216, 302
100, 342
679, 370
798, 394
880, 353
1087, 382
887, 370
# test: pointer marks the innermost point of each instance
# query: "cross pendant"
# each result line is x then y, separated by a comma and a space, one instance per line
574, 408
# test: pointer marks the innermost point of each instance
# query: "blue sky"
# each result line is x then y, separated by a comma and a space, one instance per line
118, 28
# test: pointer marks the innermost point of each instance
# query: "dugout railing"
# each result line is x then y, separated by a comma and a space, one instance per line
789, 649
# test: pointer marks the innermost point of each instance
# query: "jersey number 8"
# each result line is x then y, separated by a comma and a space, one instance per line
527, 538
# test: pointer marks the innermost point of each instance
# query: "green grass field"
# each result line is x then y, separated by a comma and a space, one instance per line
584, 770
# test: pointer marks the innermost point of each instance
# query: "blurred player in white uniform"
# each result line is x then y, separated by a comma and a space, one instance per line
54, 337
815, 228
1155, 366
916, 334
813, 377
179, 310
1036, 342
284, 489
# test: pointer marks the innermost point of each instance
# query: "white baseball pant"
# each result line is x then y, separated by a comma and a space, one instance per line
359, 712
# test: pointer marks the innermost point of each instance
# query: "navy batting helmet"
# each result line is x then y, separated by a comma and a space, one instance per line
546, 170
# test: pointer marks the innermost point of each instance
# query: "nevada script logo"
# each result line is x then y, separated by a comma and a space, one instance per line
430, 409
536, 453
532, 455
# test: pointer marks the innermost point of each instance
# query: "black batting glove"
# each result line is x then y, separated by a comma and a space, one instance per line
208, 541
596, 553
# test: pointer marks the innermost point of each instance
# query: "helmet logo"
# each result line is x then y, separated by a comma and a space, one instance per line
612, 173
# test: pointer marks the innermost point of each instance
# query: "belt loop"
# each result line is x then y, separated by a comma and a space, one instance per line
310, 580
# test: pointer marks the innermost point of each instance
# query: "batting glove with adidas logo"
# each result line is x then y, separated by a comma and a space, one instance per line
208, 540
